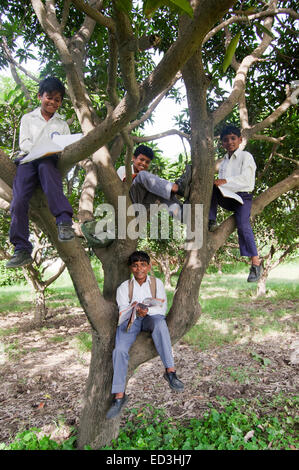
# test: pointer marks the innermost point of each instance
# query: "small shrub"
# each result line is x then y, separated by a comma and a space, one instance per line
9, 277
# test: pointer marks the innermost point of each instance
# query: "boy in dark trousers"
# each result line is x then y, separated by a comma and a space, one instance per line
36, 126
237, 175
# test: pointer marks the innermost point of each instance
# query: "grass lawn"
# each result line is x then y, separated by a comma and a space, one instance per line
232, 313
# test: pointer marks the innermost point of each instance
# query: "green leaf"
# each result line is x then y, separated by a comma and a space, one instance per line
263, 29
184, 5
230, 52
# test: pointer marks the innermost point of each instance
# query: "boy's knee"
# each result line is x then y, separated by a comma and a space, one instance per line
141, 176
19, 204
121, 349
158, 323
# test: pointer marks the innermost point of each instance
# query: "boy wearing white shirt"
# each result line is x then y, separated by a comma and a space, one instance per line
37, 126
148, 319
237, 174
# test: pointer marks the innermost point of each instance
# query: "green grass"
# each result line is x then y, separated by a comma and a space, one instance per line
230, 311
83, 342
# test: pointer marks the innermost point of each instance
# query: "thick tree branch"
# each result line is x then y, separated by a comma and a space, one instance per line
124, 35
95, 14
112, 71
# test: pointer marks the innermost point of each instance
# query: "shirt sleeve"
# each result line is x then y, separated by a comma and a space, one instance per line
122, 296
121, 173
25, 140
245, 180
161, 295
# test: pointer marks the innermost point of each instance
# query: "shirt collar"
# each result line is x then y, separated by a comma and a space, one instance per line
38, 112
147, 281
234, 155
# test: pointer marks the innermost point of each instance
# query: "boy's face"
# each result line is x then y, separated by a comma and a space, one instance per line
141, 162
50, 102
231, 143
140, 270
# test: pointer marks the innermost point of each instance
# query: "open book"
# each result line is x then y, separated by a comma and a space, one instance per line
130, 313
51, 146
228, 193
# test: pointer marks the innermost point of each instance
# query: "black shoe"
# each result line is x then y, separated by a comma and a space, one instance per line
116, 407
65, 232
173, 381
212, 225
255, 273
19, 259
184, 182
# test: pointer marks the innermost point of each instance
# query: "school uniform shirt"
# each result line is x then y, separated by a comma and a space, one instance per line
239, 171
140, 293
122, 172
34, 128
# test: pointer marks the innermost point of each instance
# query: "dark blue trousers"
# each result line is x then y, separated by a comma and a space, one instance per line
242, 216
28, 176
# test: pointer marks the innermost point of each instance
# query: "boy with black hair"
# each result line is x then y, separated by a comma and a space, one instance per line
37, 126
148, 319
237, 174
148, 188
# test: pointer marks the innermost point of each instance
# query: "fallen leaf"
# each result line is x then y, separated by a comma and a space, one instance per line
248, 436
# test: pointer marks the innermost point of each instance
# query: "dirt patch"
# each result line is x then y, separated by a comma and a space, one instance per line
44, 371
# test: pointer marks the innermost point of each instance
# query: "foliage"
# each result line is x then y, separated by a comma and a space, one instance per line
32, 440
217, 430
9, 277
234, 426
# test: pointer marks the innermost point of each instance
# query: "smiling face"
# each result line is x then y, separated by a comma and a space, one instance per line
231, 143
141, 163
140, 270
50, 103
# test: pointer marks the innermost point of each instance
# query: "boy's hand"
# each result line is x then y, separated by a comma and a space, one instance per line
219, 182
141, 310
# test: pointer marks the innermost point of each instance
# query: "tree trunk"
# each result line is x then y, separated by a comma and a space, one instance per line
94, 429
261, 285
40, 307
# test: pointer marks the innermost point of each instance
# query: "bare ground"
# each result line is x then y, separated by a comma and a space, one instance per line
43, 374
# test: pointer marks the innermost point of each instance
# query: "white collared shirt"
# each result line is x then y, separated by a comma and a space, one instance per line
141, 292
122, 172
35, 128
239, 171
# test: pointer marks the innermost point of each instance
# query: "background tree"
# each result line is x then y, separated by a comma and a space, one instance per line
102, 49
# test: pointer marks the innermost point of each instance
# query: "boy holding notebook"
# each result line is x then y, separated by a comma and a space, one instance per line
36, 126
